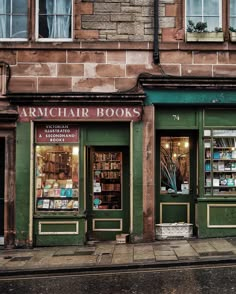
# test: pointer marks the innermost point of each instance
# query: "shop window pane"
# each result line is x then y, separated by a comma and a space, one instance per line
175, 165
107, 177
56, 177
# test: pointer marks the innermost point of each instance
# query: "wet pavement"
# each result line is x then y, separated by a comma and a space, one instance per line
110, 255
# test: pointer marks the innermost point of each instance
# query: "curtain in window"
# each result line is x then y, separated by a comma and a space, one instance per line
3, 18
58, 18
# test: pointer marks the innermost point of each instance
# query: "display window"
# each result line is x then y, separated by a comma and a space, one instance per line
220, 162
56, 168
175, 165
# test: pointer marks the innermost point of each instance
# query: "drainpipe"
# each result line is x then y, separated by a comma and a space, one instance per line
156, 55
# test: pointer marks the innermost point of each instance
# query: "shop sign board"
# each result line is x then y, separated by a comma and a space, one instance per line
57, 133
103, 113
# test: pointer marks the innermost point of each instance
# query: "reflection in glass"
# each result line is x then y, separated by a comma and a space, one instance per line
175, 164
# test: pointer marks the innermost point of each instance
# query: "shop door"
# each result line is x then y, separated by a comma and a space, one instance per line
108, 192
2, 179
176, 177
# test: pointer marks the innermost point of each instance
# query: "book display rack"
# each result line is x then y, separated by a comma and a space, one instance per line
220, 162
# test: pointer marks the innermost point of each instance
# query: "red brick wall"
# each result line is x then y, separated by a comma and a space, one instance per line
110, 58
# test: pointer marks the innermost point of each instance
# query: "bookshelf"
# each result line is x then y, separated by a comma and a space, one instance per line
220, 162
56, 179
107, 180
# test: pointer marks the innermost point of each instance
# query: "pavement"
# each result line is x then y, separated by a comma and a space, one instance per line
113, 256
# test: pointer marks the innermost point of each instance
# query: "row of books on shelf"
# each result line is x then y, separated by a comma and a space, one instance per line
103, 156
107, 174
106, 165
110, 187
57, 204
57, 156
62, 192
227, 154
221, 166
52, 183
225, 182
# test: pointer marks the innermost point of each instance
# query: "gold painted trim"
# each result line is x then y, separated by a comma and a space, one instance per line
175, 203
76, 232
85, 173
32, 191
208, 215
108, 219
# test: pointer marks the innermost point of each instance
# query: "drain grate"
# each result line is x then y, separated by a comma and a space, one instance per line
21, 258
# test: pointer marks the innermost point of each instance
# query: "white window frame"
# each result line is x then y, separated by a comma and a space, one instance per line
15, 39
38, 39
202, 16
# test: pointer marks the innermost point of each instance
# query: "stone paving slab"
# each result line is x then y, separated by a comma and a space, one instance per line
222, 245
103, 248
164, 252
128, 249
185, 251
203, 247
122, 258
167, 258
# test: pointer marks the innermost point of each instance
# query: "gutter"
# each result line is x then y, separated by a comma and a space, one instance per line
156, 54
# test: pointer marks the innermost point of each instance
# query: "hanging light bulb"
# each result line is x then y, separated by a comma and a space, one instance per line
186, 144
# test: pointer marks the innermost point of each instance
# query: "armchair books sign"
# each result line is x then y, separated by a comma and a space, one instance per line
102, 113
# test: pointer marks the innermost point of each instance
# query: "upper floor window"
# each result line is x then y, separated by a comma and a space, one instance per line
209, 11
232, 22
13, 19
53, 20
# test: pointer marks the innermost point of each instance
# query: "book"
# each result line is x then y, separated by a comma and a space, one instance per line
50, 192
57, 192
57, 204
75, 192
38, 183
216, 182
70, 204
230, 182
221, 166
39, 193
46, 203
40, 203
75, 204
51, 204
64, 204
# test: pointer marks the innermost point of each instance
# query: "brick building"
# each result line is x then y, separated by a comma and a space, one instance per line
100, 90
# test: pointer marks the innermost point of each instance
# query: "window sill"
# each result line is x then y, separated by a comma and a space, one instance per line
205, 37
232, 36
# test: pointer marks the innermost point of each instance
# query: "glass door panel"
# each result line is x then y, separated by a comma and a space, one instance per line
175, 165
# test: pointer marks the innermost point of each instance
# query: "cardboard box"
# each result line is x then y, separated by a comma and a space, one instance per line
122, 238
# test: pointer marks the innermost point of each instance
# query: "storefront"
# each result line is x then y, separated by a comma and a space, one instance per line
75, 172
194, 147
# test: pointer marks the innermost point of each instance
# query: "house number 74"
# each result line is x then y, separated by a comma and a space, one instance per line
175, 116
